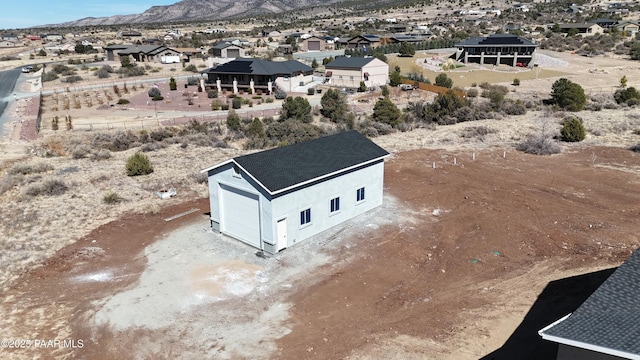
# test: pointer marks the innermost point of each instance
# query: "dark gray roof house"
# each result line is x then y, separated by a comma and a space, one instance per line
607, 325
276, 198
497, 49
260, 72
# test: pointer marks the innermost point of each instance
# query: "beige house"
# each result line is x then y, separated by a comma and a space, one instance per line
628, 27
227, 50
350, 71
584, 29
315, 43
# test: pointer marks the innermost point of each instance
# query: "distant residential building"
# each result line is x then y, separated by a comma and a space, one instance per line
129, 34
585, 29
227, 50
8, 44
350, 71
258, 74
141, 53
315, 43
497, 49
630, 28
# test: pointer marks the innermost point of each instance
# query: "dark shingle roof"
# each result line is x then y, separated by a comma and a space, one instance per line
260, 67
223, 45
610, 317
353, 62
284, 167
497, 39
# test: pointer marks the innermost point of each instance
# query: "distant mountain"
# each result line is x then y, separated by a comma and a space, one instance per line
190, 10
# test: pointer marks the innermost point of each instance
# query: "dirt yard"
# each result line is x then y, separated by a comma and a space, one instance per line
446, 269
475, 249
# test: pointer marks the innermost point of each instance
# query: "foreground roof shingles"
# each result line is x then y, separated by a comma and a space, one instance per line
610, 317
284, 167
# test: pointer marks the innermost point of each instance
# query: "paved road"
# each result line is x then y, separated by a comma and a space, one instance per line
8, 80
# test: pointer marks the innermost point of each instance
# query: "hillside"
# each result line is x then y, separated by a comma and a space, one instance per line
193, 10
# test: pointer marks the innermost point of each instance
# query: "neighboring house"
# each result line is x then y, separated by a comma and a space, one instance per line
630, 28
254, 74
34, 38
143, 53
129, 34
315, 43
276, 198
586, 29
284, 49
521, 7
607, 325
53, 37
350, 71
605, 23
496, 49
10, 37
400, 38
8, 44
227, 50
363, 41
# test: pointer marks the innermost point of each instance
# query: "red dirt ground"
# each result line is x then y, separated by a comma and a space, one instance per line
498, 217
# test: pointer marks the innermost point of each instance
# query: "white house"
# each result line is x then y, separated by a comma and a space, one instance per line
350, 71
276, 198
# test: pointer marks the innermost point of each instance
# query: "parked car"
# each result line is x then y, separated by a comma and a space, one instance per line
406, 87
27, 69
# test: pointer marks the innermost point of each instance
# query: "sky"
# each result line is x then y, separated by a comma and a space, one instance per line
18, 14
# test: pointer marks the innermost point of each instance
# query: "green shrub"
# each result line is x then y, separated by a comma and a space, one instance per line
192, 68
153, 92
123, 101
573, 130
236, 103
626, 95
568, 95
516, 82
256, 128
212, 94
112, 198
311, 91
386, 112
157, 98
269, 100
138, 164
233, 121
172, 84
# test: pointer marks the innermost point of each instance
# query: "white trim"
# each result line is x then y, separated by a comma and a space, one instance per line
583, 345
298, 184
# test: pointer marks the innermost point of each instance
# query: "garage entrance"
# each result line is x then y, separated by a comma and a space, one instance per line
314, 45
240, 215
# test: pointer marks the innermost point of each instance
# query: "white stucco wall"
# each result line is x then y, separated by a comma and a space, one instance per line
291, 83
378, 75
318, 199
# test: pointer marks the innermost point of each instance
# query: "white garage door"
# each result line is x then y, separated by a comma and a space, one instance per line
240, 215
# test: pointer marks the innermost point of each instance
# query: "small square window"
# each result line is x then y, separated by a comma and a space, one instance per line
335, 205
360, 194
305, 217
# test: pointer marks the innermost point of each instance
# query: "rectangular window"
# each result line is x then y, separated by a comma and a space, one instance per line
305, 217
335, 204
360, 194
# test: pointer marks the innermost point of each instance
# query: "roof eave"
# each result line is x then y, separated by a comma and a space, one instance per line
583, 345
328, 175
